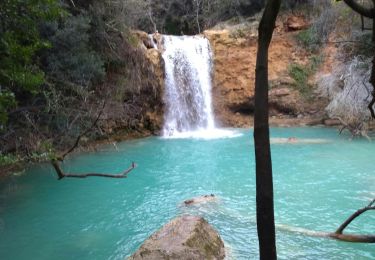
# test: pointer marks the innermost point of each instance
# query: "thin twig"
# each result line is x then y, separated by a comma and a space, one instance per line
74, 146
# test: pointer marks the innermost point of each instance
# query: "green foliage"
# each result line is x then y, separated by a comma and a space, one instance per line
301, 73
324, 19
7, 100
71, 58
182, 16
308, 39
19, 44
6, 159
364, 46
20, 41
55, 56
315, 61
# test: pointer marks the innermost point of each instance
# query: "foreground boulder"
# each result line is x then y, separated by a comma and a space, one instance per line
183, 238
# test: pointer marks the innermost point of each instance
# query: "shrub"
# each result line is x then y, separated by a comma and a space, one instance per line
6, 159
72, 59
301, 73
307, 38
20, 74
324, 20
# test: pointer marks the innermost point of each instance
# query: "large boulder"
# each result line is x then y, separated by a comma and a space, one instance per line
183, 238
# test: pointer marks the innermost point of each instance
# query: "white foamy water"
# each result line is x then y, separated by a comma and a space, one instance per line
206, 134
188, 68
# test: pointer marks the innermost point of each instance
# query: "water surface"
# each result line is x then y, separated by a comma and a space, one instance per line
317, 186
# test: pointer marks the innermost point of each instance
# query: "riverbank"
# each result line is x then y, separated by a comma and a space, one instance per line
282, 121
18, 165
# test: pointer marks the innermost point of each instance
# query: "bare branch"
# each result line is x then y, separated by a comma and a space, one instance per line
354, 216
61, 174
74, 146
338, 234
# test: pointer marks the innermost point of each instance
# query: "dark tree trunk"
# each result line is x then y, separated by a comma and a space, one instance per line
264, 183
372, 77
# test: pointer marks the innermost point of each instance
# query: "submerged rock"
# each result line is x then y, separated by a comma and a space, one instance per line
185, 237
200, 200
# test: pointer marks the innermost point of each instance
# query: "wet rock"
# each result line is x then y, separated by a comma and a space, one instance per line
201, 199
332, 122
183, 238
144, 38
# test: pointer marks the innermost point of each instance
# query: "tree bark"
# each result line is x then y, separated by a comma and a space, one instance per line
264, 182
354, 216
372, 77
364, 11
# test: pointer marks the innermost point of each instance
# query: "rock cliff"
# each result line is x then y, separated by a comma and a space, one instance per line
234, 50
234, 76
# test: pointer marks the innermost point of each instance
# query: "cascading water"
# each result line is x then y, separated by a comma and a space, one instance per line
188, 63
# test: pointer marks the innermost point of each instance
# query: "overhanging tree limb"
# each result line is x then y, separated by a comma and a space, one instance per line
362, 10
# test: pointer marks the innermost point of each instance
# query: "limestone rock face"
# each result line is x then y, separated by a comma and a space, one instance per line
153, 79
234, 62
234, 73
183, 238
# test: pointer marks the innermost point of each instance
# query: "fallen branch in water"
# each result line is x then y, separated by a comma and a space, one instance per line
61, 174
56, 162
338, 234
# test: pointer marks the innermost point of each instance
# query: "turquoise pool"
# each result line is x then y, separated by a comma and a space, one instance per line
317, 186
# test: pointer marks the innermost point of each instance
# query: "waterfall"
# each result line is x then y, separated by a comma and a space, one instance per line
188, 64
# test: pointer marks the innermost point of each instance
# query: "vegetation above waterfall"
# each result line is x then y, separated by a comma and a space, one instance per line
60, 62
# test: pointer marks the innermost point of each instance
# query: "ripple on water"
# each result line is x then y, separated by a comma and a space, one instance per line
316, 188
